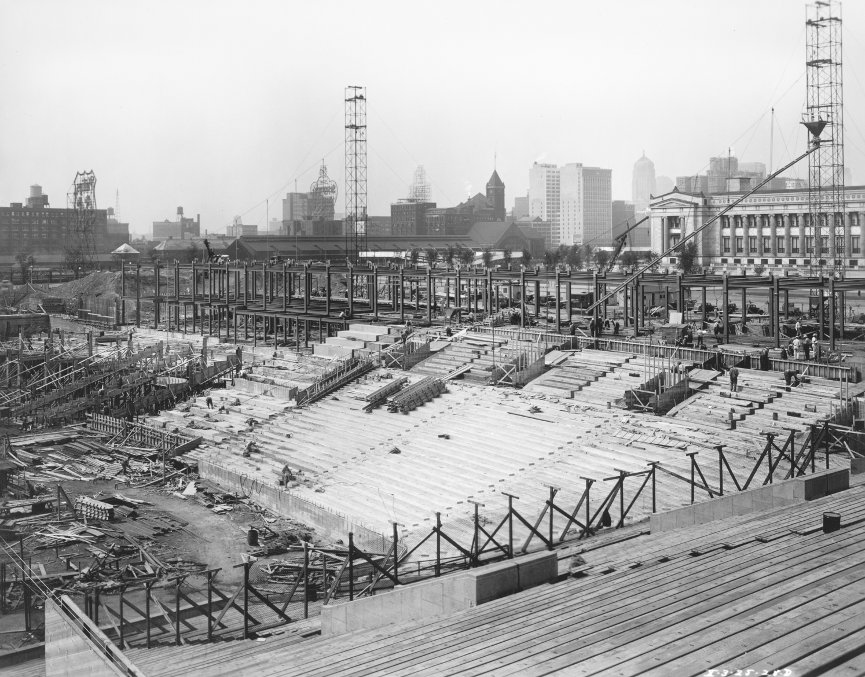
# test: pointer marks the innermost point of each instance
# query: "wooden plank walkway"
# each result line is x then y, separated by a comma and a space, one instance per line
796, 602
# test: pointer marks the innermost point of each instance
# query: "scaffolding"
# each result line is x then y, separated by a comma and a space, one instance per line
826, 233
355, 172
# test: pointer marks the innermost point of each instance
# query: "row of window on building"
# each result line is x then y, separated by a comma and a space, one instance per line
739, 241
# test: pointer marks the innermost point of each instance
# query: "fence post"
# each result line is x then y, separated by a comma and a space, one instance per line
654, 465
438, 543
350, 566
826, 438
120, 623
395, 555
476, 544
305, 580
147, 611
246, 566
622, 476
552, 500
510, 525
769, 456
210, 606
177, 640
691, 456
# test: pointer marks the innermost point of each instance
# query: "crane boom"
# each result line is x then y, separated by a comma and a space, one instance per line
620, 243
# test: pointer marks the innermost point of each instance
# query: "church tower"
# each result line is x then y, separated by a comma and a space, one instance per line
496, 196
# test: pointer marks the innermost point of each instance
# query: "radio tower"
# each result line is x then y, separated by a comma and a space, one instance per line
355, 171
826, 229
81, 200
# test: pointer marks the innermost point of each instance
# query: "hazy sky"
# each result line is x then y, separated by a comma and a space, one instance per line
220, 106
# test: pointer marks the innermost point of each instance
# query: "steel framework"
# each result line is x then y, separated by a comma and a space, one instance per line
81, 250
825, 101
355, 171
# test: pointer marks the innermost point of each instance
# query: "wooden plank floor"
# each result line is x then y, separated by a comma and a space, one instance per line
797, 601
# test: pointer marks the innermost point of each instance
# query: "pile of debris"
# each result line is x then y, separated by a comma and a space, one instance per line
69, 455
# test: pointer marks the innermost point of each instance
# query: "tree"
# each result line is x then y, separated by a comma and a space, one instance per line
602, 257
652, 256
629, 259
487, 257
450, 253
24, 261
759, 269
562, 253
588, 253
527, 257
191, 253
687, 257
507, 255
432, 255
549, 258
575, 257
466, 256
413, 257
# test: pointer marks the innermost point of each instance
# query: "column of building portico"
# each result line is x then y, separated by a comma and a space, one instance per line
848, 242
803, 243
758, 223
773, 236
785, 221
665, 233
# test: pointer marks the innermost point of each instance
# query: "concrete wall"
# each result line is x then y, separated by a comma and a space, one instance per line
328, 523
69, 652
440, 596
767, 497
257, 388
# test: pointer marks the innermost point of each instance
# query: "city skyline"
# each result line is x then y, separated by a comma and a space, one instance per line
209, 107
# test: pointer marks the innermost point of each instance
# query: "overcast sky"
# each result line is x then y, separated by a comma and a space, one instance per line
220, 106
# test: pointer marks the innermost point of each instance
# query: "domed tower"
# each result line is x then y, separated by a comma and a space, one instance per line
643, 184
496, 195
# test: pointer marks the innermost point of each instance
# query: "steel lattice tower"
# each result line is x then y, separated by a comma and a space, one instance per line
825, 101
355, 171
81, 200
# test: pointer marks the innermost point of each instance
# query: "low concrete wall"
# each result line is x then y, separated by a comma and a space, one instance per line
328, 523
440, 596
69, 652
767, 497
257, 388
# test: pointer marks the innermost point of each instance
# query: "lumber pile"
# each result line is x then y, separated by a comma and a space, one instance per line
416, 395
91, 508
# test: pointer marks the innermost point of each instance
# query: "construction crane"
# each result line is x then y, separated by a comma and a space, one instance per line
620, 243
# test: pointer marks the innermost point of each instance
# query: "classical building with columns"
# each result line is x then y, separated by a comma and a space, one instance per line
769, 228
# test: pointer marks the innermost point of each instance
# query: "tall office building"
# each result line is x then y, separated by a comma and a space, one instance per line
576, 200
544, 196
642, 183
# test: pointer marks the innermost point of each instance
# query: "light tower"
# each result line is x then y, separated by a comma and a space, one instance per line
355, 171
827, 243
81, 199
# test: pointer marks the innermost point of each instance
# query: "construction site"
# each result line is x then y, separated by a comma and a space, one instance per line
227, 453
347, 467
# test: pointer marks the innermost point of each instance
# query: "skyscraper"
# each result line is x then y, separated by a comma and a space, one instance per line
643, 183
544, 196
576, 200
